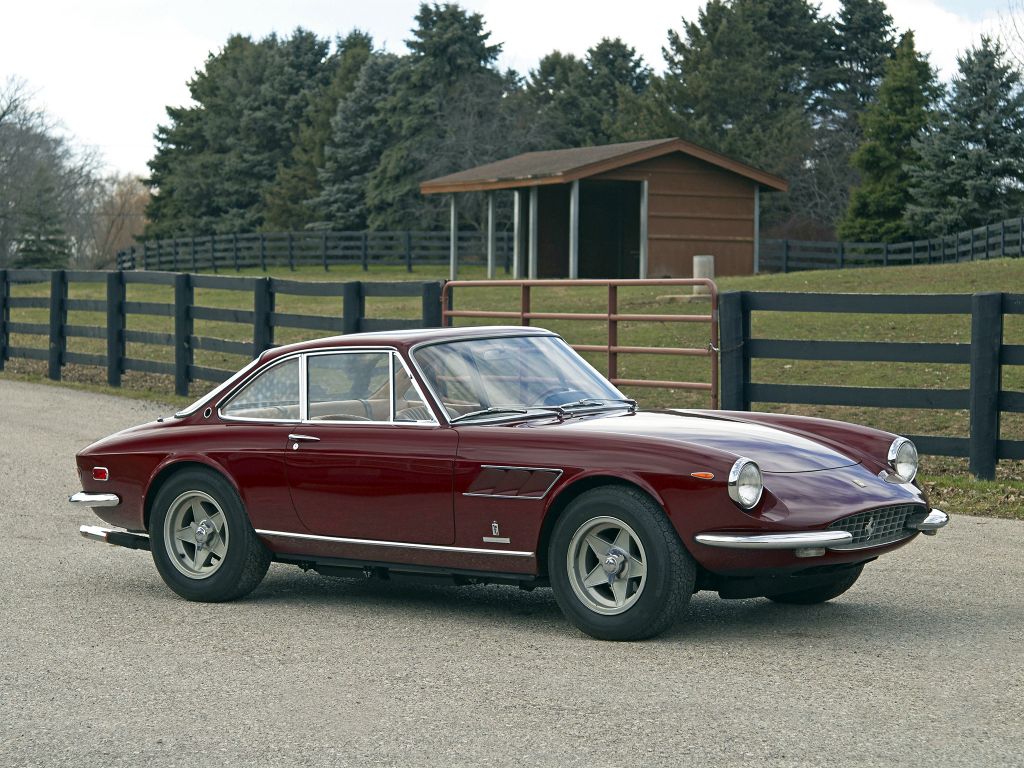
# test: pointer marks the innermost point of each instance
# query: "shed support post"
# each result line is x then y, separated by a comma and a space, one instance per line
491, 236
517, 232
757, 232
453, 243
644, 188
574, 230
533, 233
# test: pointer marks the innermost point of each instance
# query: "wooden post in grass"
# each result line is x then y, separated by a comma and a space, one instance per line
58, 318
5, 315
183, 295
115, 327
353, 306
734, 331
263, 310
986, 346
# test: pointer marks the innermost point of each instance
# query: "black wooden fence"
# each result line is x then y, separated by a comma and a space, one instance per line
311, 248
986, 354
994, 241
263, 318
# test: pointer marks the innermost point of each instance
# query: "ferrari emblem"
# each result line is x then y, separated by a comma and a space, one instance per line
495, 531
869, 526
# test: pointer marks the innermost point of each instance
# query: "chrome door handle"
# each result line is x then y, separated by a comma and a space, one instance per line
304, 438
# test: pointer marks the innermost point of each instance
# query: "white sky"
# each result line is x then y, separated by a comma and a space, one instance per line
107, 68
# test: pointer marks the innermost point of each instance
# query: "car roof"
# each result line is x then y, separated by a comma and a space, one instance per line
404, 339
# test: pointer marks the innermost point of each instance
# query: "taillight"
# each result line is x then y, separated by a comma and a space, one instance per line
100, 473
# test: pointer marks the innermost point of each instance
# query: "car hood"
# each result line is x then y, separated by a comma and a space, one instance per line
773, 449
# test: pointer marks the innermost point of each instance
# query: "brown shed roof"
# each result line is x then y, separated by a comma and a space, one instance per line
559, 166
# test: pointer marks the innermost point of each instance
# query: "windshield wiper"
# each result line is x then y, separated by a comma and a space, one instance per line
597, 402
497, 411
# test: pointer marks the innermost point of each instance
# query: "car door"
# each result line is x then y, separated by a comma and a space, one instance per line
369, 460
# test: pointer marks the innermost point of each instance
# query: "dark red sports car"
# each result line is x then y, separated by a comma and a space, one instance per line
498, 455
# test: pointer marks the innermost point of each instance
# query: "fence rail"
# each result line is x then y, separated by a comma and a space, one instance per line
991, 242
263, 318
612, 317
986, 354
310, 248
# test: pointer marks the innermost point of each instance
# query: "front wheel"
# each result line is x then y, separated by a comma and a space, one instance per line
202, 541
617, 567
822, 592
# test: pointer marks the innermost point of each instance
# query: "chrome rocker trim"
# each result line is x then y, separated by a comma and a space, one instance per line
398, 544
936, 519
95, 499
801, 540
124, 539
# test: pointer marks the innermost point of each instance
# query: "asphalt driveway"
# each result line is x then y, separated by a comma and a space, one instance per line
921, 663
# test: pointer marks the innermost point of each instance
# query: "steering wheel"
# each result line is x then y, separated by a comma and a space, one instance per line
570, 394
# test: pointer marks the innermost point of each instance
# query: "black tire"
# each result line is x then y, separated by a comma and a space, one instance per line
653, 601
822, 592
234, 561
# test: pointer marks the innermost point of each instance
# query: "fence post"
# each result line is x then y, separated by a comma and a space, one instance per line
263, 252
115, 327
234, 249
145, 254
986, 346
1002, 239
353, 306
291, 252
58, 317
5, 315
842, 254
408, 251
366, 251
431, 305
785, 256
323, 249
734, 331
192, 248
885, 255
913, 251
182, 333
263, 308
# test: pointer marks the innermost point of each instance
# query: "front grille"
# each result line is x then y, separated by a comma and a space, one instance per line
877, 526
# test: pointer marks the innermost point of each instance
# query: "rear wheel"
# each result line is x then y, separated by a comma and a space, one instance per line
617, 567
203, 544
822, 592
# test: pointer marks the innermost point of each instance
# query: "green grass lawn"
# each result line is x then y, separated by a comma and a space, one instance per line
948, 477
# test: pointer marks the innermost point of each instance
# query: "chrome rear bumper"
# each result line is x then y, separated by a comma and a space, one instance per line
810, 543
117, 538
83, 499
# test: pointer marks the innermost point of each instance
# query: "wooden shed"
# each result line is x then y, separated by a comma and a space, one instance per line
639, 209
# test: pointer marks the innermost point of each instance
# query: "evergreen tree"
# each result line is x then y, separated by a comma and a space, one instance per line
42, 242
971, 169
741, 79
288, 199
862, 41
448, 47
214, 160
906, 98
359, 135
577, 101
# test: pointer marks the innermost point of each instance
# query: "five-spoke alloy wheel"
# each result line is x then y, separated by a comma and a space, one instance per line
203, 543
617, 566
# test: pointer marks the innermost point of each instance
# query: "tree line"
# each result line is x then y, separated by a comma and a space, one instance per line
56, 206
304, 132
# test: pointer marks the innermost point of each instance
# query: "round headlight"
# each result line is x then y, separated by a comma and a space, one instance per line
903, 459
745, 484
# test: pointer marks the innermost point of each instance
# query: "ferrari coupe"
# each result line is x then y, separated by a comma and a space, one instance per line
498, 455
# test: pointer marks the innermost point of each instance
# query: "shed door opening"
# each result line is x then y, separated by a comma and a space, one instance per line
610, 229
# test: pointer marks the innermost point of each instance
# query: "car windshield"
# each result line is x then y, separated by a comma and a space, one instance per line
512, 376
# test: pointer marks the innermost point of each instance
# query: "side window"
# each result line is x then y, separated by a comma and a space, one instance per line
349, 386
273, 395
409, 406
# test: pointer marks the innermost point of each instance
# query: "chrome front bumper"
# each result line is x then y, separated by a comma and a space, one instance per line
83, 499
809, 543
